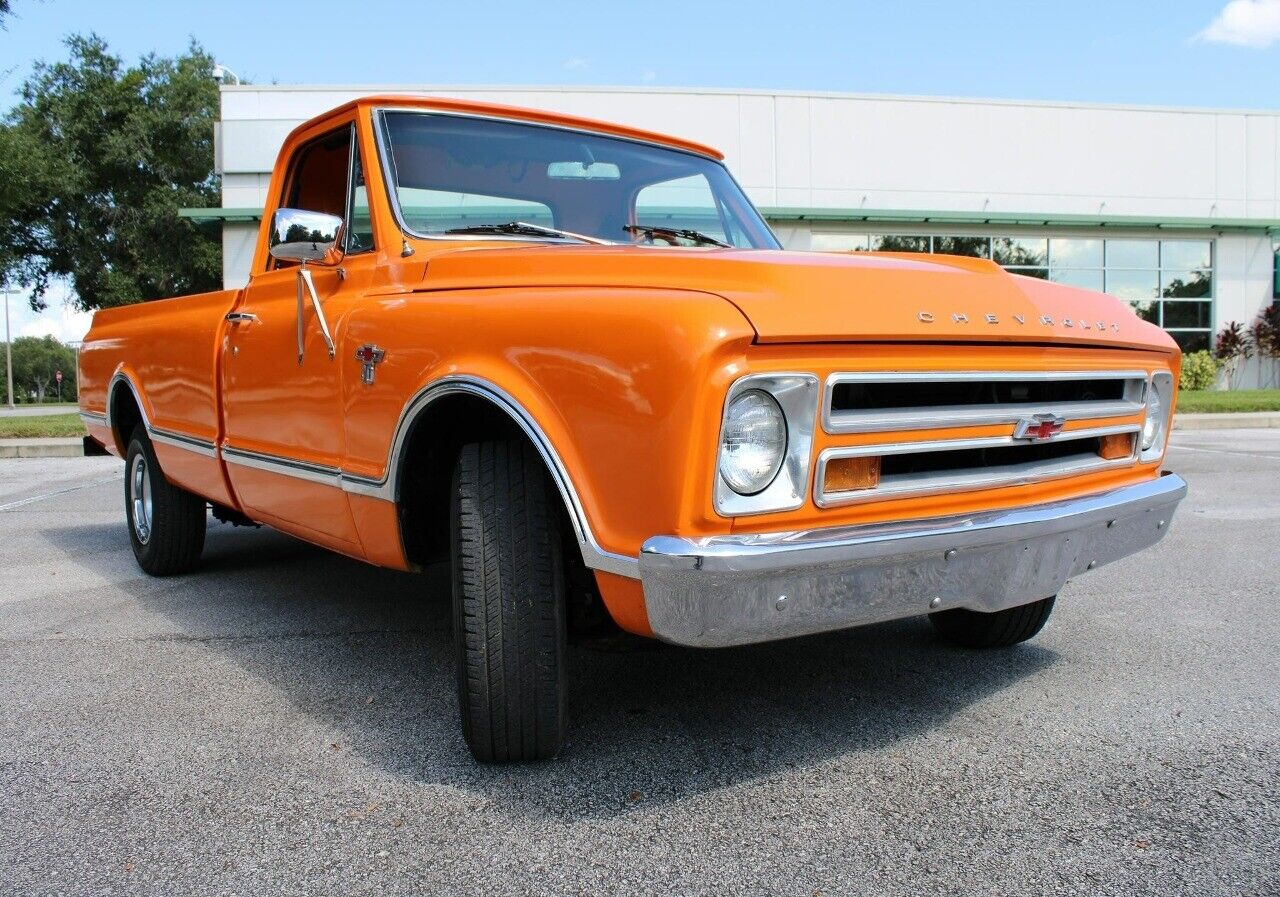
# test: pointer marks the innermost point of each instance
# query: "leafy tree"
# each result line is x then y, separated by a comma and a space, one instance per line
95, 161
36, 361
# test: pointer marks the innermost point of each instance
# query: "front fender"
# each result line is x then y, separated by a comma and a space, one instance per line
614, 384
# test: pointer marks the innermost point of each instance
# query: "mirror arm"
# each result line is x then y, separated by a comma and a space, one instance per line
305, 282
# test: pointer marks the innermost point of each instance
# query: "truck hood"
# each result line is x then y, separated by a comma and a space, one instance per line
794, 297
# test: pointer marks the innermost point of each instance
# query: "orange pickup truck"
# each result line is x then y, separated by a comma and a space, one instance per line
571, 359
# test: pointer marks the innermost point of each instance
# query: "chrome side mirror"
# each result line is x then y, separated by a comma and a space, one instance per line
301, 236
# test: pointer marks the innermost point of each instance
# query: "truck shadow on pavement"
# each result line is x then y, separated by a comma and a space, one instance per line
364, 655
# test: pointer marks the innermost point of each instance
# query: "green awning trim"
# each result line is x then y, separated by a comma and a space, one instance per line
1027, 219
219, 214
882, 217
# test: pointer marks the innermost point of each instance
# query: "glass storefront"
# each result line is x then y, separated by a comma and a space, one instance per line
1167, 282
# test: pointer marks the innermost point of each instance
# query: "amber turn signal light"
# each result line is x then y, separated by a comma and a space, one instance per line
1116, 446
847, 474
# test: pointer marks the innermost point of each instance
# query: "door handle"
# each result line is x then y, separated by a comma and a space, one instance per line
241, 317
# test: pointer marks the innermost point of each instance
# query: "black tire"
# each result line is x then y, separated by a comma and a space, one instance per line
508, 604
169, 538
973, 629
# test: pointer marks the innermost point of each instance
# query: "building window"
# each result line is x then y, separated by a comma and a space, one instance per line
1166, 282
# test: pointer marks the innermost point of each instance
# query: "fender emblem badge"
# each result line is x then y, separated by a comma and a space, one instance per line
370, 356
1039, 427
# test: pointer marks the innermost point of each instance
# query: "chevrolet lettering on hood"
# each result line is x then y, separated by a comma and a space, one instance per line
959, 317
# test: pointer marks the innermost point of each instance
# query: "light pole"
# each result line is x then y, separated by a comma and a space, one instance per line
8, 347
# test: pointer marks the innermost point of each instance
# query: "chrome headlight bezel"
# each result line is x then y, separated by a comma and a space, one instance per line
796, 396
1156, 421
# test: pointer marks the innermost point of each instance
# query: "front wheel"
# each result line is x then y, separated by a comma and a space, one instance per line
508, 603
1001, 629
166, 522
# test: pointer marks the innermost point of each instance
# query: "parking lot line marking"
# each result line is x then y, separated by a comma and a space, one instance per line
1187, 448
35, 498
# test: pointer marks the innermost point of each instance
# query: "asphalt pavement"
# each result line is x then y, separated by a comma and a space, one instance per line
284, 722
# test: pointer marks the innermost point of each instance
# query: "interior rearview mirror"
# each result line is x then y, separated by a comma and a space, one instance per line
586, 171
301, 236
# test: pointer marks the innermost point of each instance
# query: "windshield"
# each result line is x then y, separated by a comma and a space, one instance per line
455, 177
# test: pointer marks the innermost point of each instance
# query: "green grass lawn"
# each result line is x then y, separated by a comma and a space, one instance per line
42, 426
1210, 401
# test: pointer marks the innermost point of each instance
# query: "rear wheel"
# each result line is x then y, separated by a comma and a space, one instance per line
166, 522
974, 629
508, 603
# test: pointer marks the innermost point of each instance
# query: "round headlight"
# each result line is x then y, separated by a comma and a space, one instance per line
754, 442
1155, 418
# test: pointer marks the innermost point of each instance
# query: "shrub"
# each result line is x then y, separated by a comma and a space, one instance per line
1265, 335
1199, 370
1232, 347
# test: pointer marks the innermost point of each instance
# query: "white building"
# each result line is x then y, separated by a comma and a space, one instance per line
1176, 210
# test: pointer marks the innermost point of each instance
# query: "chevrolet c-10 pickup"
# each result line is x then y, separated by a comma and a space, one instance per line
571, 359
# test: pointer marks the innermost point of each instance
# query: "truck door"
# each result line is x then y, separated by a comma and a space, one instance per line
283, 439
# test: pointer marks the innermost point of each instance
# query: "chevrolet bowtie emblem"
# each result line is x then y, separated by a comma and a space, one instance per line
369, 355
1039, 427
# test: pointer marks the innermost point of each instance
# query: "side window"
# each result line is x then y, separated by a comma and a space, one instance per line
686, 203
359, 223
319, 182
328, 177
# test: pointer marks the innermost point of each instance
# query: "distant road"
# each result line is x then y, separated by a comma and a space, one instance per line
36, 410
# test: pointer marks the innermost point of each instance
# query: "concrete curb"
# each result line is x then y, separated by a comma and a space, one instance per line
1242, 420
69, 447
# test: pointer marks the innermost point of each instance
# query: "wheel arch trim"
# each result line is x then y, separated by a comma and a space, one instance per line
388, 487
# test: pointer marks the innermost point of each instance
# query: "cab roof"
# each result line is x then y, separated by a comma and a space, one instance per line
517, 113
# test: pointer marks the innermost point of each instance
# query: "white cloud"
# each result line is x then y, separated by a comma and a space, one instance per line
60, 319
577, 62
1245, 23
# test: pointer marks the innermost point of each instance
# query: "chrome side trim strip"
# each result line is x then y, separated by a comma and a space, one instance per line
946, 481
93, 417
290, 467
387, 487
933, 417
183, 441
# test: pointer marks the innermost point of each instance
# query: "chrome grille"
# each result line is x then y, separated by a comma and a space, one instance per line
895, 402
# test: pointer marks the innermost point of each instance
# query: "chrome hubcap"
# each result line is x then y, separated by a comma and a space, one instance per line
140, 498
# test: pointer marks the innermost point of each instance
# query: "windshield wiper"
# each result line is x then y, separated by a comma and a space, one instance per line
522, 228
696, 236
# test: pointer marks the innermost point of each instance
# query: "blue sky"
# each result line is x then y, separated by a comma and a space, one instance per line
1175, 52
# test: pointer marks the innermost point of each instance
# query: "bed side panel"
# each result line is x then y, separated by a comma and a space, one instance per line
170, 351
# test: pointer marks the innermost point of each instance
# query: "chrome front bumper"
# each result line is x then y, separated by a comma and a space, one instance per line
738, 589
